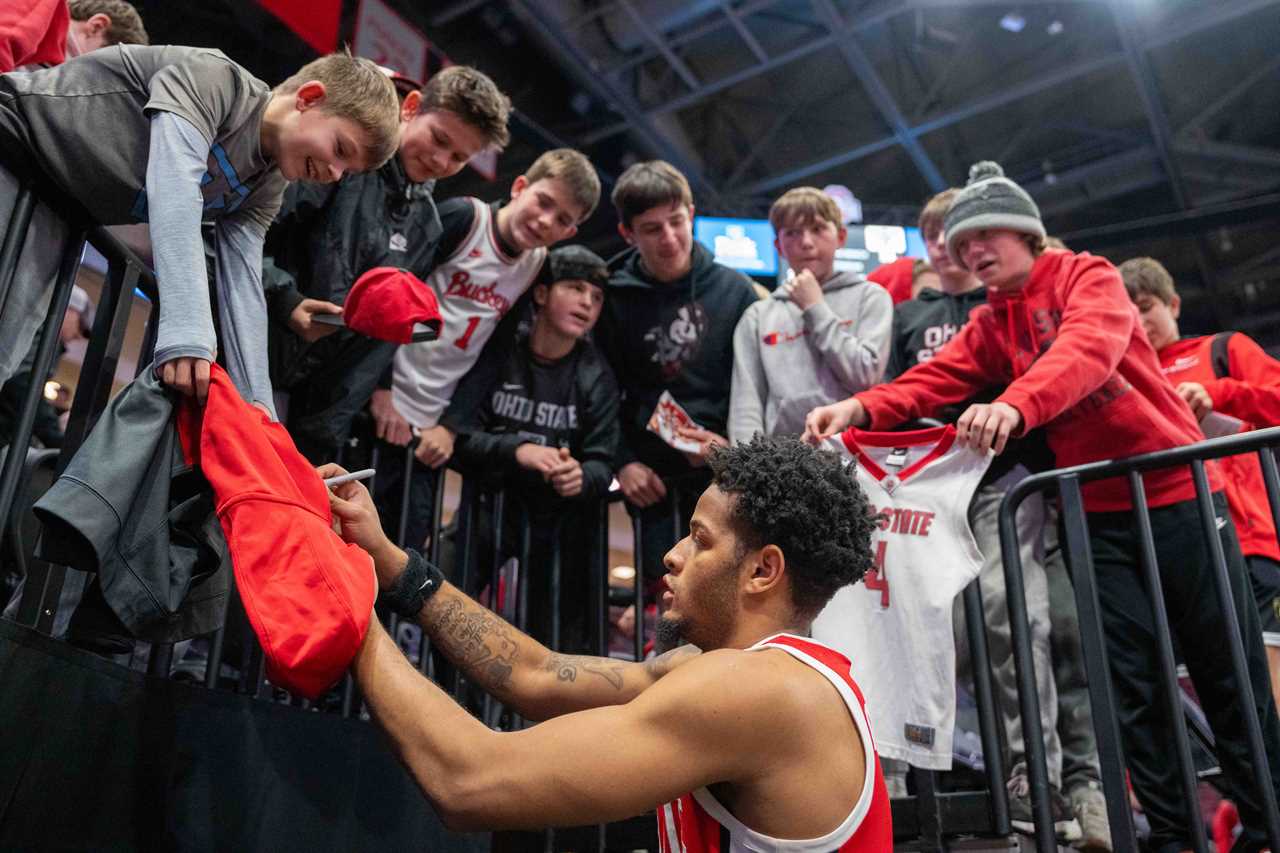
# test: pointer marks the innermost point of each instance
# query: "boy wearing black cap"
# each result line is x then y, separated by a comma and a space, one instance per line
547, 425
1059, 332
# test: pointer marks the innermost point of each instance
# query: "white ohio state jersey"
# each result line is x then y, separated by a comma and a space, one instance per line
475, 288
895, 626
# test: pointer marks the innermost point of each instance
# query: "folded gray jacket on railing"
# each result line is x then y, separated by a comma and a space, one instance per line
129, 508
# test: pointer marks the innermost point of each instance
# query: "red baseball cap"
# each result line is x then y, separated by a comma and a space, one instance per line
394, 305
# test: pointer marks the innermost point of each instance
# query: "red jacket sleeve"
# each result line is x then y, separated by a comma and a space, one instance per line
1252, 391
968, 363
34, 31
1093, 335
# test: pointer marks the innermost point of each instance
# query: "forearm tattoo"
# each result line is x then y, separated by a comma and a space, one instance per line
482, 644
566, 668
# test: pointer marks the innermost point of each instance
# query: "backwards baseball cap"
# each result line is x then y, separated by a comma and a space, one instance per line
576, 263
990, 200
392, 305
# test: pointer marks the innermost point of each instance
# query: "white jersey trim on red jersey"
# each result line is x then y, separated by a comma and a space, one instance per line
847, 828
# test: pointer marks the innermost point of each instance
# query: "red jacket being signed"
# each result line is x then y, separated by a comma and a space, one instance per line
308, 595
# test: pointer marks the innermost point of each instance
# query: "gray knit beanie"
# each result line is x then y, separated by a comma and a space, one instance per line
990, 200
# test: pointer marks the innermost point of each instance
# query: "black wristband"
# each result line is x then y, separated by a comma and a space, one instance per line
419, 581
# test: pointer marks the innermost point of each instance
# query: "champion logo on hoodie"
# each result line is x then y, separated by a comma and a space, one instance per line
772, 339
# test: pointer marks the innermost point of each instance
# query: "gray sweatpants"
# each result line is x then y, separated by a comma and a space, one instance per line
1065, 716
1075, 716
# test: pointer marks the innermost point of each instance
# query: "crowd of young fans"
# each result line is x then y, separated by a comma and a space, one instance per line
552, 361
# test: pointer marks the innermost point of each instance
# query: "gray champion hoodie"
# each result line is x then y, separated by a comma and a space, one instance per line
787, 361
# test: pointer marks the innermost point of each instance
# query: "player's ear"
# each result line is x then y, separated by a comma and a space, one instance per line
310, 94
768, 566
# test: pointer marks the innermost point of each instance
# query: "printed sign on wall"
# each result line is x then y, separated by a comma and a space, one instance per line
389, 40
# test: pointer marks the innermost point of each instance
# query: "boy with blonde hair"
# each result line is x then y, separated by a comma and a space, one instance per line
326, 237
174, 136
823, 335
490, 255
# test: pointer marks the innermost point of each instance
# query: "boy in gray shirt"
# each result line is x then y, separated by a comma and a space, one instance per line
176, 136
823, 336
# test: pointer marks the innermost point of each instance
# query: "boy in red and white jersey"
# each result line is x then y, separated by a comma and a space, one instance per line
490, 255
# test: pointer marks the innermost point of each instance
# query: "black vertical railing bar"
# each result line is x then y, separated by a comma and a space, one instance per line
1271, 480
984, 695
402, 527
426, 663
147, 352
1171, 693
1075, 540
102, 354
637, 588
600, 582
213, 662
492, 709
11, 477
523, 574
406, 490
464, 555
554, 582
1239, 665
24, 204
262, 687
160, 660
1024, 667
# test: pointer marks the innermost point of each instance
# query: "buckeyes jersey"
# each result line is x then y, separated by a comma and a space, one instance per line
474, 288
895, 626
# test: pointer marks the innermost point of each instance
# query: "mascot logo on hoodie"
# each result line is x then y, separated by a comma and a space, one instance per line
679, 340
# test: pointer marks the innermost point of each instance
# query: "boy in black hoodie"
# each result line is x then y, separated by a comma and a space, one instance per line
545, 429
667, 325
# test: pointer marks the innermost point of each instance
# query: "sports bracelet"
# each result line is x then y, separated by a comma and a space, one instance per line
419, 581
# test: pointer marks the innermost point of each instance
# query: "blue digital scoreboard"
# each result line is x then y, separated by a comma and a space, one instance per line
740, 244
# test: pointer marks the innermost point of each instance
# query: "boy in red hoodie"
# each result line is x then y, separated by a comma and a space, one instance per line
1060, 334
1228, 374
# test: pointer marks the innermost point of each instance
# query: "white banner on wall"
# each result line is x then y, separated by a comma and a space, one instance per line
389, 40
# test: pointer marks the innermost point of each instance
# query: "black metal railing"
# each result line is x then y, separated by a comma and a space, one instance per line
1075, 525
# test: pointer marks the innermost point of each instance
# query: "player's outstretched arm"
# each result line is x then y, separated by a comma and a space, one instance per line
508, 664
592, 766
521, 672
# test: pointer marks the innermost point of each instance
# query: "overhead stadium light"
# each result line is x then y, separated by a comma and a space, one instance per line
1013, 22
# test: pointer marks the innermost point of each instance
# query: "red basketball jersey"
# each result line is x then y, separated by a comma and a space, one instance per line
698, 823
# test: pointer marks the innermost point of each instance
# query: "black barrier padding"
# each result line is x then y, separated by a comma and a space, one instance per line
97, 757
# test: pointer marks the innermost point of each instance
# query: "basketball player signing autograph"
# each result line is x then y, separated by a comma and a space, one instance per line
758, 741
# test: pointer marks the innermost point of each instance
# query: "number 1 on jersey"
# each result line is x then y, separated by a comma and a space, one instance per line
876, 578
462, 342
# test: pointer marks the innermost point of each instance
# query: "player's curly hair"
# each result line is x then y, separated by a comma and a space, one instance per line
806, 502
